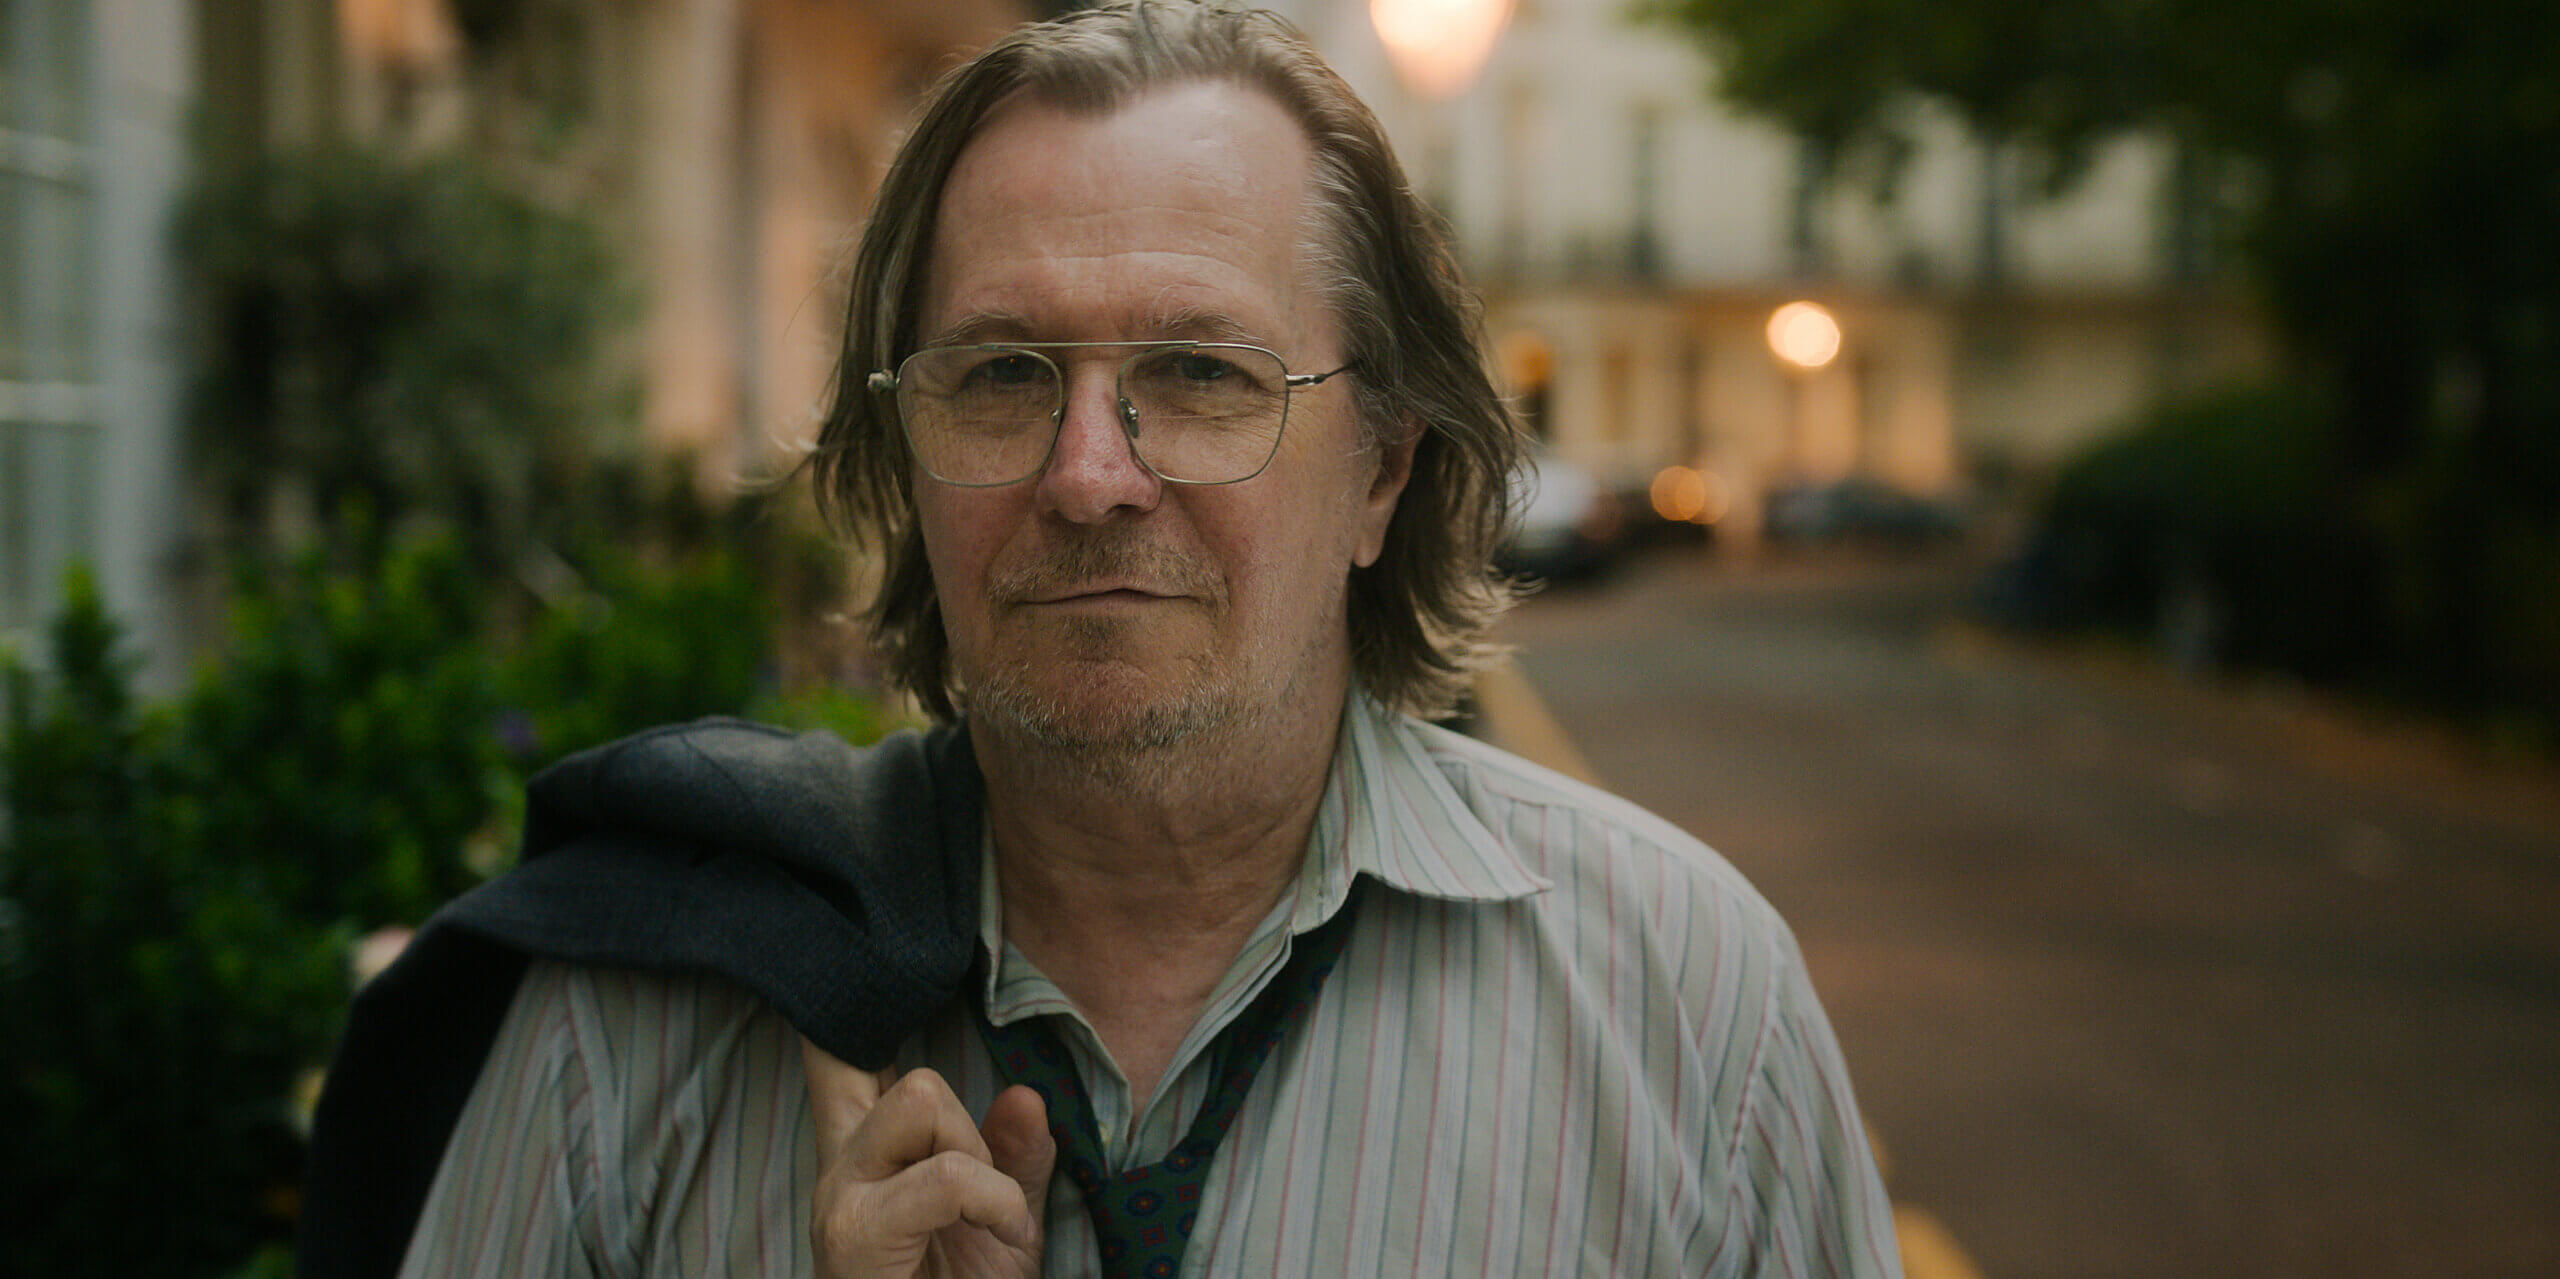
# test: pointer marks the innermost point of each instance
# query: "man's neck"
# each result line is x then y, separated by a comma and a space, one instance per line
1135, 896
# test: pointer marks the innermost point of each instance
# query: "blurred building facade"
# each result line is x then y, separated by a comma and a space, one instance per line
93, 106
728, 147
1633, 238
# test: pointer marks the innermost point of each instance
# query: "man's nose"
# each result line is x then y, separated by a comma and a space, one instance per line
1093, 468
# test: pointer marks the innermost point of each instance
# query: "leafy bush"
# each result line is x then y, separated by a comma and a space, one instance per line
397, 337
401, 357
180, 884
597, 665
2226, 527
344, 745
2209, 523
157, 996
2472, 593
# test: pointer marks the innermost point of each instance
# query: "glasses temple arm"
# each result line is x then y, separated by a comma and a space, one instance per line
1303, 379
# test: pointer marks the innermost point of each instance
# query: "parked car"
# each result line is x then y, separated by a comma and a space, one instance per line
1566, 525
1860, 511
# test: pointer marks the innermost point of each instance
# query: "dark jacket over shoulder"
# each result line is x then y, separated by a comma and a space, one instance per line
838, 884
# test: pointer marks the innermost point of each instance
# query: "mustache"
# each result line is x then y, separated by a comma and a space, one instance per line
1105, 560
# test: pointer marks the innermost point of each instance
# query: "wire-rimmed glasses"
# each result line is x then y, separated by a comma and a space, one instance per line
1194, 412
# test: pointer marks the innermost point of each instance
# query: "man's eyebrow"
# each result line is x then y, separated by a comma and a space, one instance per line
1199, 324
1182, 324
986, 326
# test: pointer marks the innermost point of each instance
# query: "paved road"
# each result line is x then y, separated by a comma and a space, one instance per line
2138, 977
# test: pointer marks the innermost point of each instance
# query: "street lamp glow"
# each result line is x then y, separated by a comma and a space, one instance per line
1439, 45
1683, 494
1804, 334
409, 35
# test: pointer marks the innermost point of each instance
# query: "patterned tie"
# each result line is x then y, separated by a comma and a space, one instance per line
1143, 1216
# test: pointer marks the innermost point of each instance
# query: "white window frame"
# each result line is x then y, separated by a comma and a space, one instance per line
51, 436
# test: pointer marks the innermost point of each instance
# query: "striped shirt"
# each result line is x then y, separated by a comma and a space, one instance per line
1566, 1039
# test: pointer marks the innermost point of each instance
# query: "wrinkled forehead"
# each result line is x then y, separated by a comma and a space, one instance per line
1188, 201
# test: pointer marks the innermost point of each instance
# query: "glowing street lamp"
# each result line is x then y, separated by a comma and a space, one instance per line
1806, 340
1439, 45
1804, 335
409, 36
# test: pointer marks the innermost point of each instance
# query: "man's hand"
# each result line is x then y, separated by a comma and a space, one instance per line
908, 1185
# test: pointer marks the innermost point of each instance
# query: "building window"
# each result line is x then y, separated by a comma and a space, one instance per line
1617, 390
1644, 201
1993, 235
2191, 231
1807, 252
1522, 122
48, 338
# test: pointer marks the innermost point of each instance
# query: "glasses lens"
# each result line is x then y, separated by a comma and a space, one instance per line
978, 415
986, 415
1206, 414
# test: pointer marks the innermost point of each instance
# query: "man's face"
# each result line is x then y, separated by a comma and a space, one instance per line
1094, 605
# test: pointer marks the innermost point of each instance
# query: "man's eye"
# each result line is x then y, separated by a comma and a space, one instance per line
1194, 367
1010, 370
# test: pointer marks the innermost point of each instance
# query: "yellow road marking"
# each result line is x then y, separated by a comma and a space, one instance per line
1516, 719
1929, 1249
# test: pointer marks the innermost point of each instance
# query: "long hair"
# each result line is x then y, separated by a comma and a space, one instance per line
1418, 615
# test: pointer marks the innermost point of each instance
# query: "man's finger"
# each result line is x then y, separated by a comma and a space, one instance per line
948, 1189
841, 1094
916, 1118
1019, 1143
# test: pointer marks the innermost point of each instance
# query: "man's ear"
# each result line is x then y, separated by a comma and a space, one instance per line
1378, 509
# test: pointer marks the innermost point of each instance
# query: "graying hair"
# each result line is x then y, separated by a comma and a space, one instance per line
1418, 615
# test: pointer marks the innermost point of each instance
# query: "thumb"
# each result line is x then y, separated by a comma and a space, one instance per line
1016, 1131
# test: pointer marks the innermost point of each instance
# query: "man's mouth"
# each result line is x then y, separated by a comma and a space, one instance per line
1099, 594
1100, 573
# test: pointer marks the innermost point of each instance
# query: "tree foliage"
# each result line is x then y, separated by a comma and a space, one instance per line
2392, 171
400, 337
2395, 164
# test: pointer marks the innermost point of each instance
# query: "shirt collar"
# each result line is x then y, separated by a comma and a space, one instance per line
1388, 812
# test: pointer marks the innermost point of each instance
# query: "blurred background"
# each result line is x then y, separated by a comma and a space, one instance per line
2066, 496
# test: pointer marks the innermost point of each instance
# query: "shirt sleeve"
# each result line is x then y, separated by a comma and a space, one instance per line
514, 1192
1813, 1202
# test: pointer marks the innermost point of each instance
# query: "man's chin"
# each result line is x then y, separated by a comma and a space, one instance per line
1099, 718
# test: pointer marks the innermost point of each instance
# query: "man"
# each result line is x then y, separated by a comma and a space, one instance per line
1164, 407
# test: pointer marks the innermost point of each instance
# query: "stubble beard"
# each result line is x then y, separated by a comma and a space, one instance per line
1136, 744
1079, 723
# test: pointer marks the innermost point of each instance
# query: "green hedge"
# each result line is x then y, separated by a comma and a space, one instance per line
405, 361
181, 882
2207, 519
2224, 527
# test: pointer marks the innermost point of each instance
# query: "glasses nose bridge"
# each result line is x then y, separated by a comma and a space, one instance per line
1093, 419
1094, 375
